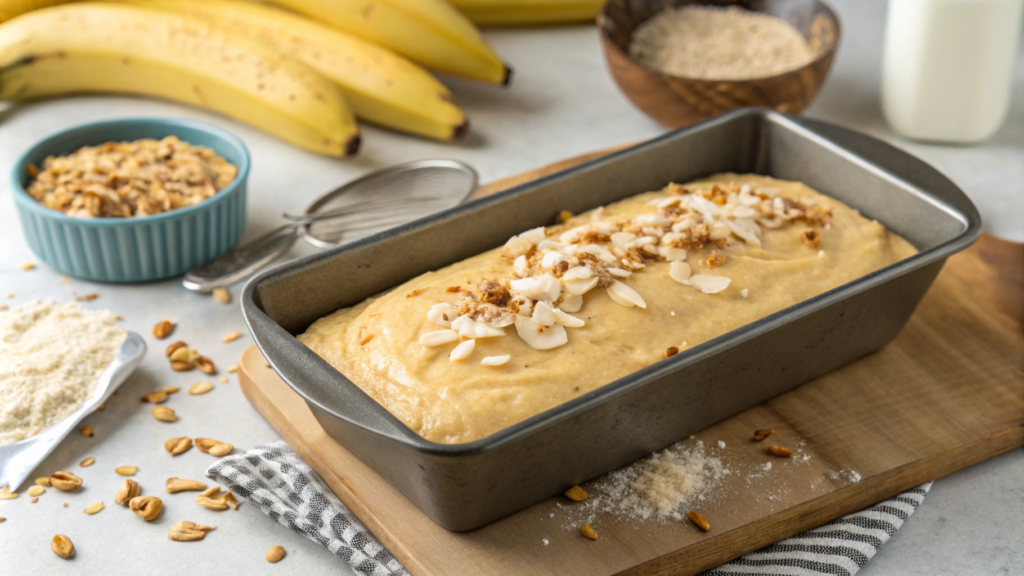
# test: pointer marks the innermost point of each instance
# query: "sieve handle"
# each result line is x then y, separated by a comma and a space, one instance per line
243, 261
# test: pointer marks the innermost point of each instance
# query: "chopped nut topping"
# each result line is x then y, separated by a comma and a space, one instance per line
588, 532
713, 260
125, 179
88, 297
164, 414
275, 554
453, 289
186, 531
811, 238
86, 431
146, 507
563, 216
178, 445
62, 546
175, 485
130, 489
762, 434
413, 294
699, 520
576, 494
671, 351
162, 329
65, 481
87, 462
779, 451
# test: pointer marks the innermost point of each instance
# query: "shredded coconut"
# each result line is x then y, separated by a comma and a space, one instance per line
51, 357
714, 43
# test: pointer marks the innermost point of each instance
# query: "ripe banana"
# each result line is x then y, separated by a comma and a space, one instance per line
382, 87
11, 8
490, 13
108, 48
430, 32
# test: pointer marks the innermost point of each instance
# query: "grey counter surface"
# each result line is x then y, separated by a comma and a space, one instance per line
562, 103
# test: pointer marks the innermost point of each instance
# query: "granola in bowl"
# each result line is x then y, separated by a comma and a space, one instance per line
128, 179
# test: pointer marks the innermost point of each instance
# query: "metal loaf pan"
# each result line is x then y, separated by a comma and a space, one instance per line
465, 486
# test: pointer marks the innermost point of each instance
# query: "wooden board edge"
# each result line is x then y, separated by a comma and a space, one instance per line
264, 404
715, 551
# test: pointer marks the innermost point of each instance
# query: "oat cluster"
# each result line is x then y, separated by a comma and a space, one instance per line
125, 179
551, 275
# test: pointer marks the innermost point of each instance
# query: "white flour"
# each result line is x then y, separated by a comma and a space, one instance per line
51, 357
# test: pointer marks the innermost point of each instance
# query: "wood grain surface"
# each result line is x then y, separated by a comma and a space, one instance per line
947, 393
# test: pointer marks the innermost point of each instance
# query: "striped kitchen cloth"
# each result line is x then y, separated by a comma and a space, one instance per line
274, 479
841, 547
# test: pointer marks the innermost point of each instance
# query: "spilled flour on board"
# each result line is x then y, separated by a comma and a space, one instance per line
662, 487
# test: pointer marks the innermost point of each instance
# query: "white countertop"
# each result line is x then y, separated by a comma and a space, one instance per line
562, 103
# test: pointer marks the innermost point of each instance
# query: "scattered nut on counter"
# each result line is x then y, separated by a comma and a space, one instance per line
222, 295
186, 531
175, 485
178, 445
86, 431
200, 388
214, 500
232, 336
762, 434
93, 508
36, 491
588, 532
126, 470
87, 462
6, 494
146, 507
164, 414
62, 546
130, 489
780, 451
163, 329
275, 554
65, 481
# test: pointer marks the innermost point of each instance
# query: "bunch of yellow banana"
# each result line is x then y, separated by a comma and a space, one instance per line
489, 13
111, 48
300, 78
382, 87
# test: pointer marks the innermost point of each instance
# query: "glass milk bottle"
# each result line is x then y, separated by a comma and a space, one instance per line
948, 67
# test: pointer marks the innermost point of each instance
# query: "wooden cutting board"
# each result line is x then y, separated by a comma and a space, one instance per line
949, 392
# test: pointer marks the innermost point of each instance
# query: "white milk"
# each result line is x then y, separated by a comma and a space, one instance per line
947, 71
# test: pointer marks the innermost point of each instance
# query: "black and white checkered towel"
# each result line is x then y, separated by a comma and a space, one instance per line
274, 479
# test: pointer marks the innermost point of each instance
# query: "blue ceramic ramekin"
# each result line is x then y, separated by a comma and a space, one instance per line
143, 248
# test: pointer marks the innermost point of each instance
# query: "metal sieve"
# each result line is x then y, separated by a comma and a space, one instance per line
373, 203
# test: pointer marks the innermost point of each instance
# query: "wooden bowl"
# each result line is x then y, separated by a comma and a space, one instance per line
675, 101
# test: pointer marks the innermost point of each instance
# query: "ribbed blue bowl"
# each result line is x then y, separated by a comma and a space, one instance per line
137, 249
